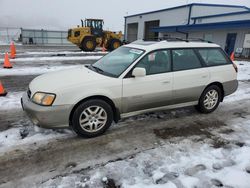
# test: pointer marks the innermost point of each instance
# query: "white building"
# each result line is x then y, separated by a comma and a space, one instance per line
226, 25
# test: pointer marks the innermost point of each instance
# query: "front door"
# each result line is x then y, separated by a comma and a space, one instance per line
230, 43
153, 90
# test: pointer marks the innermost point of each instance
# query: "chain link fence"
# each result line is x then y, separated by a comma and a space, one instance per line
33, 37
44, 37
8, 34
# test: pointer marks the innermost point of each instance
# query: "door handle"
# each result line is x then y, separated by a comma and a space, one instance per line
204, 76
166, 82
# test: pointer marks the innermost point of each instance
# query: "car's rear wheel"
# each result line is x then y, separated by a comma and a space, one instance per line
210, 99
92, 118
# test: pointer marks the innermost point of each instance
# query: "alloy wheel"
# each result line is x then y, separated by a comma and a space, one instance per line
93, 118
211, 99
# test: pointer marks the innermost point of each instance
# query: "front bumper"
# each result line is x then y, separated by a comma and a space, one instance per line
46, 116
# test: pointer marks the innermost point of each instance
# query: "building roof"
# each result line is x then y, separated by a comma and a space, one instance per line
220, 15
187, 5
197, 27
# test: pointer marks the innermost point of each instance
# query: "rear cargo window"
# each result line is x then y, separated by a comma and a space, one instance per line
213, 57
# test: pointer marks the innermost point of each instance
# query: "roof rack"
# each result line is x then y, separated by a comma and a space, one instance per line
170, 39
164, 39
198, 39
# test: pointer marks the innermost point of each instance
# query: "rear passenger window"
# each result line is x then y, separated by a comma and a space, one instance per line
185, 59
213, 57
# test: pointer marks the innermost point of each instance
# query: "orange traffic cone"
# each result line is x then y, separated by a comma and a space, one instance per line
7, 63
3, 92
232, 56
103, 48
12, 50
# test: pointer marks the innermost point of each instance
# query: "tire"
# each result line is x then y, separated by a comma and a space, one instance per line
114, 44
88, 44
210, 99
95, 124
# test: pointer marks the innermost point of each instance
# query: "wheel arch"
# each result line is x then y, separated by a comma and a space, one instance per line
116, 112
220, 85
85, 37
83, 41
111, 41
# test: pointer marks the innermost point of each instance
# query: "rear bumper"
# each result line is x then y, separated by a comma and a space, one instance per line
46, 117
230, 87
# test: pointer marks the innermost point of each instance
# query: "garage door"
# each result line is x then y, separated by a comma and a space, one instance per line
132, 32
148, 34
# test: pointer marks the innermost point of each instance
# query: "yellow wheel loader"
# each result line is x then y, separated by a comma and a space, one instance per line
91, 34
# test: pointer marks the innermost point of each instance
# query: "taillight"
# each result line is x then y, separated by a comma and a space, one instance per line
235, 67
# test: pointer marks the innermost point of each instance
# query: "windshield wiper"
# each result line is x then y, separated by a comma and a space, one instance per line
97, 68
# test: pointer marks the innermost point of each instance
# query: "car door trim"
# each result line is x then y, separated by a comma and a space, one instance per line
168, 107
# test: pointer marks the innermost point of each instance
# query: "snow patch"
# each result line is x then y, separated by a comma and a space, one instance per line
12, 138
244, 70
54, 58
11, 101
34, 70
65, 52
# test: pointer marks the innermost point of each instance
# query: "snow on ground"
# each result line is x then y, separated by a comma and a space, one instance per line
174, 164
178, 164
65, 52
22, 136
64, 58
244, 70
24, 132
185, 164
240, 93
11, 101
34, 70
59, 52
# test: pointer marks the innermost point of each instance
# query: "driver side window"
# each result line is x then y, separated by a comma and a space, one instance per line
156, 62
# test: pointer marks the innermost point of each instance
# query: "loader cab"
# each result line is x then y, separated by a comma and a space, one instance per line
96, 26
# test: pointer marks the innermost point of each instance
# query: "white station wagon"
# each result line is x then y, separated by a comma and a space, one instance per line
136, 78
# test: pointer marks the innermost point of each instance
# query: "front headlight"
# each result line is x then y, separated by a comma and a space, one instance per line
45, 99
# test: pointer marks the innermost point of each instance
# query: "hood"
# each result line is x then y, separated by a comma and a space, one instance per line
59, 80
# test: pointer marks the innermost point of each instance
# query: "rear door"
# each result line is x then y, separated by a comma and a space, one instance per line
154, 89
220, 67
189, 76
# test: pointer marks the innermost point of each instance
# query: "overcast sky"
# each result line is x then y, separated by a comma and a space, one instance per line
63, 14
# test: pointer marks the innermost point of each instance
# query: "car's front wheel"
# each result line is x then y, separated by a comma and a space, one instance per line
92, 118
210, 99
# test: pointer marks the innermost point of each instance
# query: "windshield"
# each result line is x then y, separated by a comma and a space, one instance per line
114, 63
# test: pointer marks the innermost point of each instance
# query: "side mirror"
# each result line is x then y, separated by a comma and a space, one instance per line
139, 72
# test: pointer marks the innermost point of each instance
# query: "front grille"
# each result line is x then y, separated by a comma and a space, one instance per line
29, 93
